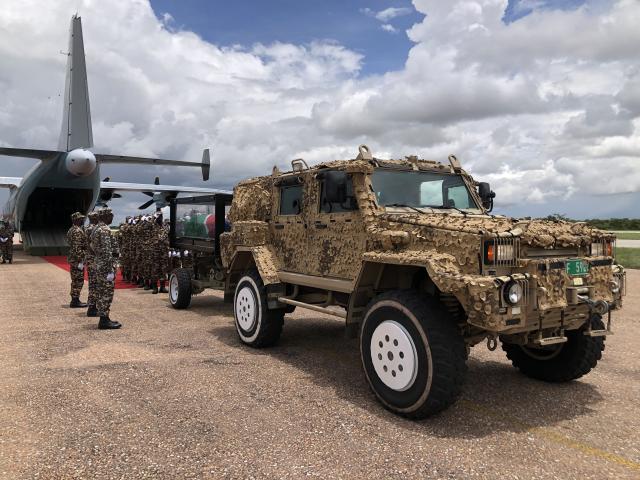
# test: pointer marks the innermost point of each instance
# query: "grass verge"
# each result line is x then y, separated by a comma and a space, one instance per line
628, 235
628, 257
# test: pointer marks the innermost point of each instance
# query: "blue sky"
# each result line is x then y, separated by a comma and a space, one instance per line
351, 23
246, 22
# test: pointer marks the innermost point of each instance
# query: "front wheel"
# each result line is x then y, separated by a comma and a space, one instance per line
180, 288
257, 326
561, 362
412, 353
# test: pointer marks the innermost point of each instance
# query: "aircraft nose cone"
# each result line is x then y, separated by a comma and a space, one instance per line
80, 162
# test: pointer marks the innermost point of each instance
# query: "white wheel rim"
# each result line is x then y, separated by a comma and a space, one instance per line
394, 355
246, 308
173, 288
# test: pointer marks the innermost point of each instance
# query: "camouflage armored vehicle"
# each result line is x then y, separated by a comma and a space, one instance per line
408, 254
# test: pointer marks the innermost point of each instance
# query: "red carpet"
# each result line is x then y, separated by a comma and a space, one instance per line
60, 261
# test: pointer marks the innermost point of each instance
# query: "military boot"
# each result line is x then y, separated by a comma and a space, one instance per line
163, 288
147, 284
140, 282
106, 323
154, 288
92, 311
3, 260
76, 303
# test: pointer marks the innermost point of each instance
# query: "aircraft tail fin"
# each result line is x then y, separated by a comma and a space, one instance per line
76, 120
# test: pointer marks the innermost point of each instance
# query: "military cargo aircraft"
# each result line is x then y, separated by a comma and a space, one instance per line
67, 180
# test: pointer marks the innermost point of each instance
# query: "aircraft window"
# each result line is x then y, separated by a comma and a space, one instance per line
291, 200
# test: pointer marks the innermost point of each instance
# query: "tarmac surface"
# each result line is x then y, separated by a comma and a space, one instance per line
174, 395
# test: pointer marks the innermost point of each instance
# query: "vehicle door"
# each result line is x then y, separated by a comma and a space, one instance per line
288, 229
336, 239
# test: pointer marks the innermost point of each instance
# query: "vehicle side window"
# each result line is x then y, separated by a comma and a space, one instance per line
291, 200
349, 205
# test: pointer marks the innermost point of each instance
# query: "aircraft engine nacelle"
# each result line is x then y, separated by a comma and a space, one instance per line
80, 162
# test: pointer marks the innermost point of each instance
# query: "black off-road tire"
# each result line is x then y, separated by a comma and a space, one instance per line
438, 351
180, 288
257, 326
572, 359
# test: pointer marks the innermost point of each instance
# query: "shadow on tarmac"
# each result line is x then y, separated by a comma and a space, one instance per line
496, 397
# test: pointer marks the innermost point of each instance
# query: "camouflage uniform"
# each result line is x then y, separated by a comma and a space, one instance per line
147, 252
105, 249
159, 255
90, 262
77, 241
6, 241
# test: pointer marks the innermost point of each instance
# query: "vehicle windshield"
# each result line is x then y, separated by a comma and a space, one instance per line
421, 189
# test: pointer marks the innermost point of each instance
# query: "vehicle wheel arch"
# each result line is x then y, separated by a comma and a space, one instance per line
375, 277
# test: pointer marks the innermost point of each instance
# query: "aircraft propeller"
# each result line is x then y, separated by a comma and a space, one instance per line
161, 199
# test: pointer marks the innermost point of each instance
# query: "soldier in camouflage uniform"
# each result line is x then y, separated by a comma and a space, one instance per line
105, 249
159, 254
147, 251
90, 263
125, 257
77, 241
6, 241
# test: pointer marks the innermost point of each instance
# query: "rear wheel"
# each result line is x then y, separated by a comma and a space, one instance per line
257, 326
180, 288
561, 362
412, 353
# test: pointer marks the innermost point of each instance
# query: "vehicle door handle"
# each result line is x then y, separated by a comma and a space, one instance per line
320, 225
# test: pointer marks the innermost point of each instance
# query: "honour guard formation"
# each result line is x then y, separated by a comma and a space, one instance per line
139, 248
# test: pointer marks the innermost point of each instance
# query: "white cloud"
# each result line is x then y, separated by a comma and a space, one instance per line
387, 27
545, 107
392, 12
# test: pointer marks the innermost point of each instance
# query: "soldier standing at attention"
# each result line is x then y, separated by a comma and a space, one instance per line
77, 241
159, 254
6, 241
90, 263
105, 249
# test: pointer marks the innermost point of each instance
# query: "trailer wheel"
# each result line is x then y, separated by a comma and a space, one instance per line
413, 356
180, 288
257, 326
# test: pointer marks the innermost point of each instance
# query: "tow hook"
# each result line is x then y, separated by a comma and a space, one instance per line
492, 342
599, 307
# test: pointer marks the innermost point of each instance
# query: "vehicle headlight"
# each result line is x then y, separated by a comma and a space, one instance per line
602, 249
513, 292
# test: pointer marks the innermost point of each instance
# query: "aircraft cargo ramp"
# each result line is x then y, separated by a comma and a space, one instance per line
45, 242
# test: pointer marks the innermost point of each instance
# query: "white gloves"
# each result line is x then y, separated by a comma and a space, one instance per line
170, 254
81, 266
186, 253
3, 239
111, 276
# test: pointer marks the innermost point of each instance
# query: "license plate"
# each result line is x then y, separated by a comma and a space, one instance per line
577, 267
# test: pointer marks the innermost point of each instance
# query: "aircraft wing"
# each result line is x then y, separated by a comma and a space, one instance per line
205, 164
9, 182
149, 187
29, 153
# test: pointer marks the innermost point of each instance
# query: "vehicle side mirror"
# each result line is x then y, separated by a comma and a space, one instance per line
486, 195
335, 187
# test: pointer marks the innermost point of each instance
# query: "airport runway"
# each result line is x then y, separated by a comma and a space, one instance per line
174, 395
